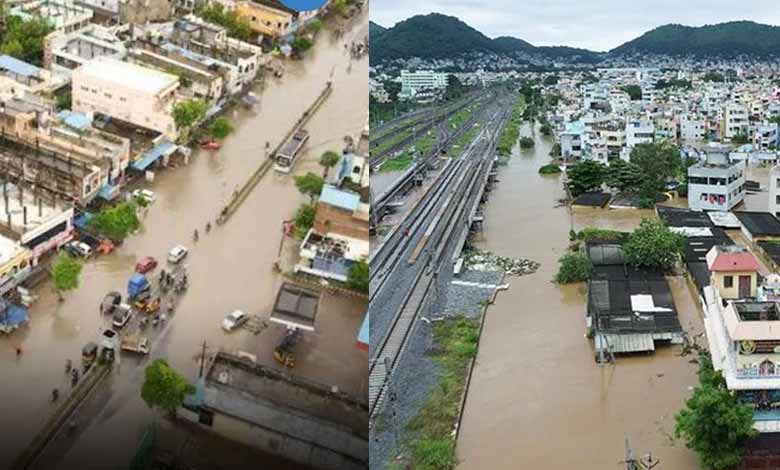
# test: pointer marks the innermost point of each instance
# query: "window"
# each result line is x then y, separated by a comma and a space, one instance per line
728, 281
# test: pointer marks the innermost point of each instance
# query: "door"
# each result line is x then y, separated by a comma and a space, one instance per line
744, 286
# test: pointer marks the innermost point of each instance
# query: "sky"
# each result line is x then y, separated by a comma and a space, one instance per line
597, 25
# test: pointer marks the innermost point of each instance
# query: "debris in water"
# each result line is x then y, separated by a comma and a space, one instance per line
477, 260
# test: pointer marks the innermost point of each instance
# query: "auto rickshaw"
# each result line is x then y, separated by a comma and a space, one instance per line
150, 306
88, 355
283, 353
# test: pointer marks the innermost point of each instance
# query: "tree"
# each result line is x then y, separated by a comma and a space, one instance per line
546, 129
526, 142
301, 44
714, 423
188, 112
550, 80
455, 89
24, 38
163, 387
64, 100
634, 92
65, 272
357, 278
117, 222
236, 26
740, 138
659, 162
340, 7
220, 127
310, 184
624, 176
304, 219
574, 267
653, 245
328, 160
555, 151
585, 176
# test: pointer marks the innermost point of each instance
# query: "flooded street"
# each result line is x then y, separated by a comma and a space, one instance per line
537, 398
230, 268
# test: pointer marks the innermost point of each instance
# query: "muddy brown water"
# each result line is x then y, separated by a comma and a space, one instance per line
537, 398
229, 268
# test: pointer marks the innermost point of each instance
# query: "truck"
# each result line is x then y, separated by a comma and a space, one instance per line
137, 284
135, 343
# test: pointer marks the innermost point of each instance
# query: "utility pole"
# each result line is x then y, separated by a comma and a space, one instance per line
202, 359
645, 463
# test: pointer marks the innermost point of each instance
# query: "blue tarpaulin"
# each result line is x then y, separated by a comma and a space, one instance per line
107, 192
165, 147
75, 120
11, 316
83, 219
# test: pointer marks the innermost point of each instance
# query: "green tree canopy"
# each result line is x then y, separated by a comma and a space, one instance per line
714, 423
659, 162
236, 26
220, 127
328, 160
624, 176
527, 142
586, 176
304, 219
310, 184
23, 38
301, 44
633, 91
163, 387
188, 112
65, 272
358, 276
117, 222
653, 245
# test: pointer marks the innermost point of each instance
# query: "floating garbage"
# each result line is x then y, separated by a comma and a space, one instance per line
477, 260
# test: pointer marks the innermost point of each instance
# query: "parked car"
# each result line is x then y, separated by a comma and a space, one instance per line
234, 320
144, 194
145, 264
177, 253
121, 316
79, 249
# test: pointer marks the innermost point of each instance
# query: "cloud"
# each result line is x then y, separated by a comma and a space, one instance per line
597, 25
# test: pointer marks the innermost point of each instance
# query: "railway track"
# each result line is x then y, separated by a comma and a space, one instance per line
424, 249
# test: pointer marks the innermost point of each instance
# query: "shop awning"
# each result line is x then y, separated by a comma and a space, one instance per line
164, 148
108, 192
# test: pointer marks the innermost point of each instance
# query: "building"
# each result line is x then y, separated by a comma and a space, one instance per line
639, 132
339, 237
63, 52
145, 11
735, 121
259, 406
733, 271
692, 129
715, 183
197, 80
742, 339
415, 82
269, 18
63, 15
128, 92
571, 140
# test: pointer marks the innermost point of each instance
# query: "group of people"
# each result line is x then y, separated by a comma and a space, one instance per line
195, 233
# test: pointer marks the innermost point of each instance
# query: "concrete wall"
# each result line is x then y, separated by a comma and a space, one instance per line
717, 281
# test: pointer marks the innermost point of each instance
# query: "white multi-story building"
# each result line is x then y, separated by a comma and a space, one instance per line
774, 191
414, 82
639, 132
716, 183
62, 15
64, 52
129, 92
571, 140
692, 129
735, 120
743, 338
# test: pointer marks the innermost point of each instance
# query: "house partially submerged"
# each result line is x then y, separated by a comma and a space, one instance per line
629, 309
262, 407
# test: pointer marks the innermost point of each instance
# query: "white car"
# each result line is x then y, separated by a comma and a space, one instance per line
77, 248
177, 253
144, 194
234, 320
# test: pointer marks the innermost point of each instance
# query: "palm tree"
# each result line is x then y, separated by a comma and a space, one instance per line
328, 160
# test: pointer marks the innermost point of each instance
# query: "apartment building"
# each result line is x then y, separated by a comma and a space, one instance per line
415, 82
129, 92
64, 52
735, 121
639, 132
716, 183
269, 18
774, 191
692, 129
62, 15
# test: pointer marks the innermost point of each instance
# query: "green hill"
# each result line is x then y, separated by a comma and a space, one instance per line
724, 40
375, 30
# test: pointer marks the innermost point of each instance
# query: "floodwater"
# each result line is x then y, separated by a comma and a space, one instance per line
230, 268
537, 398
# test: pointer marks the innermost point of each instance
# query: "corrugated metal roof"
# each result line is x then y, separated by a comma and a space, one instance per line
163, 148
624, 343
339, 198
18, 67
